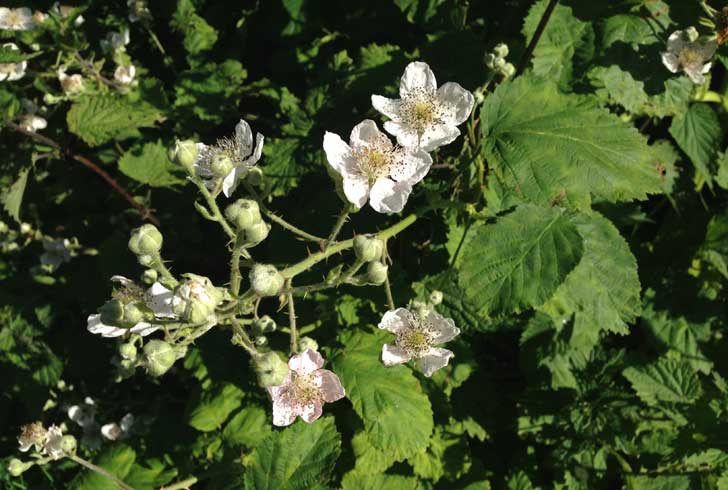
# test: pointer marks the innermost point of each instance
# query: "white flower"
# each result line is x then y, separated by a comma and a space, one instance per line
12, 71
115, 41
240, 152
85, 414
71, 84
374, 169
125, 74
20, 19
686, 53
425, 116
416, 338
158, 298
52, 446
114, 431
31, 122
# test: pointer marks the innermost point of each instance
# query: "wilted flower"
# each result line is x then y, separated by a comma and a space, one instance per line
374, 169
685, 52
195, 299
416, 337
56, 251
125, 74
114, 431
304, 390
12, 71
158, 298
425, 116
71, 84
32, 435
19, 19
229, 159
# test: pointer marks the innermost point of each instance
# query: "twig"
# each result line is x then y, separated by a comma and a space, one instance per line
343, 215
184, 484
145, 212
388, 292
536, 36
100, 471
278, 220
292, 318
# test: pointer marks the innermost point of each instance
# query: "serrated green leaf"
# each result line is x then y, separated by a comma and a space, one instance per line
10, 55
721, 176
102, 118
546, 147
199, 36
454, 304
698, 133
117, 459
356, 481
248, 427
418, 11
629, 29
678, 482
297, 457
12, 197
214, 407
619, 87
211, 92
149, 164
667, 380
396, 413
150, 475
520, 260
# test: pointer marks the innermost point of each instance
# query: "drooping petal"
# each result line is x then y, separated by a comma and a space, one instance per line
306, 362
312, 411
670, 61
243, 138
257, 151
364, 134
413, 167
396, 320
338, 153
231, 180
406, 136
124, 281
444, 328
356, 189
143, 329
388, 107
388, 196
417, 77
438, 135
676, 42
457, 102
159, 299
330, 385
435, 359
393, 355
96, 326
706, 68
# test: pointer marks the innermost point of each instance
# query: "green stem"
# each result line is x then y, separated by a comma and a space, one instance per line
100, 471
343, 215
245, 341
235, 276
292, 318
388, 292
280, 221
167, 277
212, 204
181, 485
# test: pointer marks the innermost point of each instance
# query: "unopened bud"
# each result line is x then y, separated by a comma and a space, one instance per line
264, 324
255, 233
377, 272
146, 260
128, 351
112, 313
261, 341
184, 153
254, 176
136, 312
221, 165
368, 247
158, 357
499, 63
25, 228
145, 240
271, 369
508, 70
490, 61
501, 50
149, 276
17, 467
436, 297
307, 343
243, 213
265, 280
68, 444
420, 309
3, 227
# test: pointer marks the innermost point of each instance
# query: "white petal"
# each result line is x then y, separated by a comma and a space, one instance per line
393, 355
437, 136
124, 281
95, 326
396, 320
417, 76
676, 42
337, 152
306, 362
388, 196
413, 168
143, 329
356, 189
388, 107
670, 61
707, 68
127, 422
243, 138
311, 412
435, 359
406, 136
364, 134
444, 327
231, 180
159, 299
457, 101
283, 414
111, 431
330, 385
257, 151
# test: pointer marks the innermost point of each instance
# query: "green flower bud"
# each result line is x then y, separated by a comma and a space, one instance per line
185, 153
3, 227
255, 234
68, 444
422, 310
264, 324
499, 63
128, 365
158, 357
136, 312
508, 70
221, 165
17, 467
271, 369
112, 313
261, 341
196, 299
265, 280
243, 213
436, 297
145, 240
149, 276
254, 176
501, 50
377, 272
307, 343
490, 61
128, 351
368, 247
146, 260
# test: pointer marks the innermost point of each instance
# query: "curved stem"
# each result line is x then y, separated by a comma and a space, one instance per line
159, 266
292, 318
343, 215
100, 471
214, 209
285, 224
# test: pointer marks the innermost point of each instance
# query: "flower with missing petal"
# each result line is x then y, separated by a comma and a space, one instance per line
125, 74
685, 52
12, 71
229, 159
19, 19
425, 116
416, 338
304, 390
374, 169
158, 298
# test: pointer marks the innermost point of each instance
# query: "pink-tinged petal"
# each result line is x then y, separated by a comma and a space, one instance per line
396, 320
311, 412
393, 355
444, 327
96, 326
283, 414
435, 359
457, 101
413, 167
670, 61
388, 196
388, 107
337, 152
365, 134
437, 136
707, 68
417, 77
306, 362
356, 189
330, 385
406, 136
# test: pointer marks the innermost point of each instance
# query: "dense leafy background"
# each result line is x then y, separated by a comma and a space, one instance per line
588, 272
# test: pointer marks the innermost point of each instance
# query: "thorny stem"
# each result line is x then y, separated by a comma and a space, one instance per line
246, 343
167, 276
100, 471
145, 212
292, 318
212, 205
343, 215
278, 220
235, 276
536, 36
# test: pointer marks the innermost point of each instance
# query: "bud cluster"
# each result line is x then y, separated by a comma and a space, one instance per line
244, 214
496, 61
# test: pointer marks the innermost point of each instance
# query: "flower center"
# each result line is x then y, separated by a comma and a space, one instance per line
378, 158
303, 390
690, 56
417, 339
420, 110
